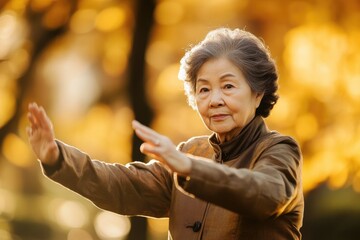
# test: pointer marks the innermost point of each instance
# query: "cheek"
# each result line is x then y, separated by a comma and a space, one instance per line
201, 109
241, 109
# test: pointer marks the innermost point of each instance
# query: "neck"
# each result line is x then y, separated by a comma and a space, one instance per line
228, 136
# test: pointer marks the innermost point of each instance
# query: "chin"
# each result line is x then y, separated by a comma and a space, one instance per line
220, 131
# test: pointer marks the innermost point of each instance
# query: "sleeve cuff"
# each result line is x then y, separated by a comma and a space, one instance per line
181, 184
183, 181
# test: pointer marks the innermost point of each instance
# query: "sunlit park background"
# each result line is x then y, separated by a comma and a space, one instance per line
97, 64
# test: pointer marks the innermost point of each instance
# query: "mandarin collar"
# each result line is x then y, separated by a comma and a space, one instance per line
234, 147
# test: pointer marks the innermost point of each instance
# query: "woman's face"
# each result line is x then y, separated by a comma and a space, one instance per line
224, 99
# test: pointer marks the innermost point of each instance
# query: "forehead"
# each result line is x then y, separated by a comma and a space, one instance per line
218, 68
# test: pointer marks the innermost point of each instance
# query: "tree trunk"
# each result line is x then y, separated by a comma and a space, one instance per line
137, 91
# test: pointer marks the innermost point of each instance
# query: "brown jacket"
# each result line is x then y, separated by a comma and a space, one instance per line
247, 188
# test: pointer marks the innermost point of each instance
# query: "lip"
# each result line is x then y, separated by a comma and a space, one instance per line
218, 117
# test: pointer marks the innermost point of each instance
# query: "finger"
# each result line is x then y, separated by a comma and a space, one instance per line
40, 119
151, 151
142, 127
32, 120
146, 138
44, 119
32, 107
30, 116
145, 133
29, 131
33, 115
147, 148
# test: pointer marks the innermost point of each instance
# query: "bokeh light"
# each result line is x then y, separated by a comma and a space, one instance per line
12, 31
77, 234
7, 204
169, 12
110, 19
16, 151
69, 214
111, 226
83, 21
158, 228
7, 102
5, 235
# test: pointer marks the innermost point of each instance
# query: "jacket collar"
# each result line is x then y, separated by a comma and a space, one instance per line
248, 135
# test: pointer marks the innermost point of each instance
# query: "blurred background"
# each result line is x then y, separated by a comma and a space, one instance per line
97, 64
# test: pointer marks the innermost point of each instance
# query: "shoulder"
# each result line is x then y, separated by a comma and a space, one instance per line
274, 137
275, 140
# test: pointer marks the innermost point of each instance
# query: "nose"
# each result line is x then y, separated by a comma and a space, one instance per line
216, 99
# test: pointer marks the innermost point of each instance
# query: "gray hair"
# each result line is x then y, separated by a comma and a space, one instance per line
245, 51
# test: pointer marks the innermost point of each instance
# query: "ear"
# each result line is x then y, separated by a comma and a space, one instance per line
258, 98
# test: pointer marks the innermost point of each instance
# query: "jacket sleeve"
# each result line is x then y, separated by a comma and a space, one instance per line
134, 189
269, 188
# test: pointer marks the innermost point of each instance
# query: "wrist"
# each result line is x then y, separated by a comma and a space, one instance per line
185, 167
53, 155
50, 167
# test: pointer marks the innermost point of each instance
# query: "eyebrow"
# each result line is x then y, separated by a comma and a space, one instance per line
227, 75
221, 77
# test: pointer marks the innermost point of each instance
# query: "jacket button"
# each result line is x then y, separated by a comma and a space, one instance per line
197, 226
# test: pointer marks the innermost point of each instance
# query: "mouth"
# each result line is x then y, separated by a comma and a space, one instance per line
218, 117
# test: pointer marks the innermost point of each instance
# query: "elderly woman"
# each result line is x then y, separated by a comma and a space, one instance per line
241, 182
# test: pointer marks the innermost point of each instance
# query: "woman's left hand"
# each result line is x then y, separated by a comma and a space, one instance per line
161, 148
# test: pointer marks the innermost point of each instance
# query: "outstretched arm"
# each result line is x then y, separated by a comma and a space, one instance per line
41, 135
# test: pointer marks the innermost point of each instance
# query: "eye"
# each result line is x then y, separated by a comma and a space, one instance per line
228, 86
203, 89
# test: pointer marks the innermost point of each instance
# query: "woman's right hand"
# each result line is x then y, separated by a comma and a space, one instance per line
41, 135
